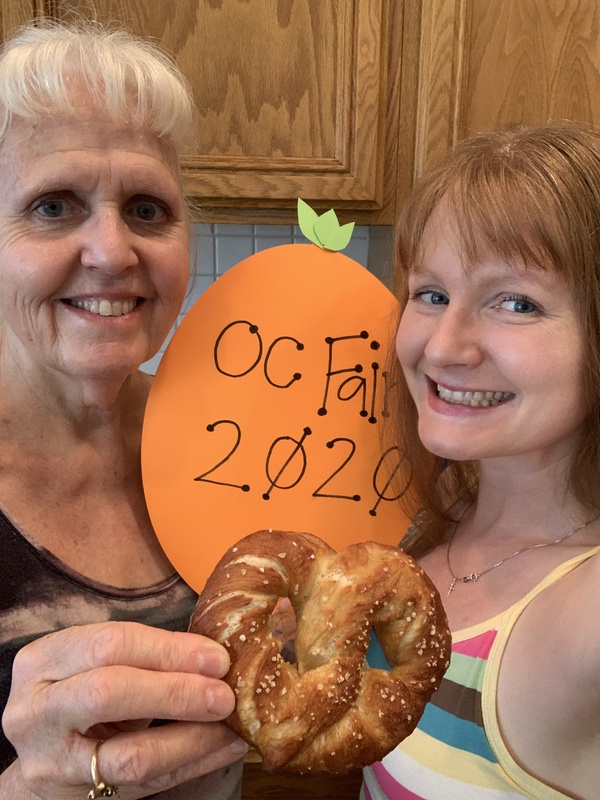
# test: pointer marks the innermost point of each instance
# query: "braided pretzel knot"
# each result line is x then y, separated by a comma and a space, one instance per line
327, 712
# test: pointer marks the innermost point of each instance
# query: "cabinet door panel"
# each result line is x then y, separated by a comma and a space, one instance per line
530, 61
291, 94
490, 63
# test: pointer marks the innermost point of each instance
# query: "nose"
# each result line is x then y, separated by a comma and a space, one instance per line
107, 243
454, 339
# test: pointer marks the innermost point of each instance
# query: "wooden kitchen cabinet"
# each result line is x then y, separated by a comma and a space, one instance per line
489, 63
344, 102
292, 95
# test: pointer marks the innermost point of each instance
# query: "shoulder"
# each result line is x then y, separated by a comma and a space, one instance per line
572, 613
548, 689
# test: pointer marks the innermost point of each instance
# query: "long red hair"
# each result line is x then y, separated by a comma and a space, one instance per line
531, 194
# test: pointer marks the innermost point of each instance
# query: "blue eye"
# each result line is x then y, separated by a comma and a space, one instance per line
431, 297
438, 299
51, 208
147, 212
150, 210
520, 304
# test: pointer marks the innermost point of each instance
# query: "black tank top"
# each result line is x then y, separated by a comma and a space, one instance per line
39, 594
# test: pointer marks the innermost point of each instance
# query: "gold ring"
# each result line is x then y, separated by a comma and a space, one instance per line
100, 789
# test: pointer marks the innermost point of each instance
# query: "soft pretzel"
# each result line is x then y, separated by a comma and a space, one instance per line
329, 711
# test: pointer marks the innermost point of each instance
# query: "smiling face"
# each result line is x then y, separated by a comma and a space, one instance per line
94, 245
492, 355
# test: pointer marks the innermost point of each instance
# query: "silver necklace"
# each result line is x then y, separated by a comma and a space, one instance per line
473, 577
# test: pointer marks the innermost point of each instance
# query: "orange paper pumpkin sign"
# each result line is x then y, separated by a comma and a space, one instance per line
266, 411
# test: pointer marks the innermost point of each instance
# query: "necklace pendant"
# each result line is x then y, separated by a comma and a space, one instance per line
451, 589
472, 578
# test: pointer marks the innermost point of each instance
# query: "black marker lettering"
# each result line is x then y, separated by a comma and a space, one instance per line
211, 428
381, 496
296, 376
253, 329
357, 368
318, 492
298, 449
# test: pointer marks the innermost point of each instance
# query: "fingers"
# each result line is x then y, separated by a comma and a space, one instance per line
75, 650
156, 760
138, 764
111, 673
88, 683
116, 694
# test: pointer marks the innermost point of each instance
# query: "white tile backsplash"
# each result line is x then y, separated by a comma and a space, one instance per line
198, 285
233, 249
219, 247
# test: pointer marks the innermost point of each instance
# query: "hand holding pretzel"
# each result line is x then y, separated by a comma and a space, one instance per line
103, 683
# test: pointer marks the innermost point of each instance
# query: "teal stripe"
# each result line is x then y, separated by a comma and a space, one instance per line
440, 724
375, 654
456, 732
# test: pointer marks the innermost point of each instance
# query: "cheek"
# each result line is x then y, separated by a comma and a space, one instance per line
409, 347
548, 378
24, 290
33, 268
551, 365
571, 390
173, 275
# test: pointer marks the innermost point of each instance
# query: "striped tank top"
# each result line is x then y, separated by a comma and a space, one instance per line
457, 751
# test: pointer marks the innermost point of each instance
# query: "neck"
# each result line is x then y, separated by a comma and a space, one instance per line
535, 498
104, 447
473, 577
38, 408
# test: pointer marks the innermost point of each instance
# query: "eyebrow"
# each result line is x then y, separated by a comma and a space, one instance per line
494, 273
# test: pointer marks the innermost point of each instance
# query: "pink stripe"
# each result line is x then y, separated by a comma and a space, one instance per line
366, 793
477, 647
390, 786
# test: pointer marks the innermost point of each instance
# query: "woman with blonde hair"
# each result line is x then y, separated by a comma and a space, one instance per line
94, 266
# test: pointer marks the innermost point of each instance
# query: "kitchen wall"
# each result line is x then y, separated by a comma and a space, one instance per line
220, 247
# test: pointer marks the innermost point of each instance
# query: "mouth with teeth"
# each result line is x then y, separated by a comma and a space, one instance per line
105, 308
475, 399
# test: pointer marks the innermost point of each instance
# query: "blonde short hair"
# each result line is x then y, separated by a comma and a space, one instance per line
129, 76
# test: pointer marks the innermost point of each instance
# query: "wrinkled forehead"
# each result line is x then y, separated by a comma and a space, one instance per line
85, 156
90, 127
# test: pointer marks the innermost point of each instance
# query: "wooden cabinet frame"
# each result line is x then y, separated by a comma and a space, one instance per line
410, 79
372, 142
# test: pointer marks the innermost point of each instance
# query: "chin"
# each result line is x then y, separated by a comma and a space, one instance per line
454, 448
450, 453
108, 369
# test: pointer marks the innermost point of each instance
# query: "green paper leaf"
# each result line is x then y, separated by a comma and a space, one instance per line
339, 238
306, 220
325, 230
326, 225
